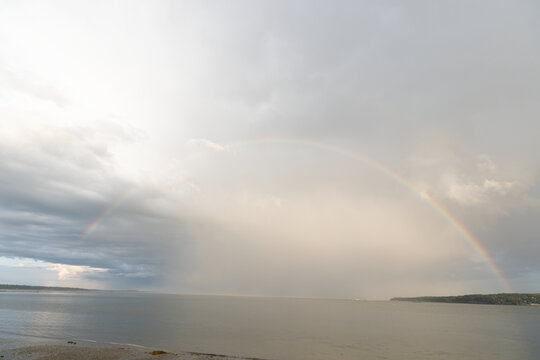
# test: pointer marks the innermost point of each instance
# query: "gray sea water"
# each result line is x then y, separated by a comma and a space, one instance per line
274, 328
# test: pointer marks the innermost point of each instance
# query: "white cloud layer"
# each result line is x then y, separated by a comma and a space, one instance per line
206, 143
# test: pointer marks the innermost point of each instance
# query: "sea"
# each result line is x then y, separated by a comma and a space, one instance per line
272, 328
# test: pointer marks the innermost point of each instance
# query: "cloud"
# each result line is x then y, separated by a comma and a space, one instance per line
24, 266
428, 91
207, 144
477, 194
71, 272
30, 85
65, 272
480, 186
55, 183
501, 188
468, 180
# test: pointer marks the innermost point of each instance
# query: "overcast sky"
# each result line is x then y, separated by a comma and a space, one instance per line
146, 119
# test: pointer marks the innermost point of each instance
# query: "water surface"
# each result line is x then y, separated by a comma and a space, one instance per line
275, 328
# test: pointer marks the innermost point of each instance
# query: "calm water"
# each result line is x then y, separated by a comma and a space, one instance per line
275, 328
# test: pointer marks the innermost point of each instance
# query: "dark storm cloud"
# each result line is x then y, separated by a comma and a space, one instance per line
49, 198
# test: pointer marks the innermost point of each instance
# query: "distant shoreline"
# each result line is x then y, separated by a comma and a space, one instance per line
521, 299
483, 299
6, 287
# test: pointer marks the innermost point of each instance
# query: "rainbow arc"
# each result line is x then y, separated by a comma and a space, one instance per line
437, 206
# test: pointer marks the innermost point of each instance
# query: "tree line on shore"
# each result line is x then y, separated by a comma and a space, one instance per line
491, 299
36, 288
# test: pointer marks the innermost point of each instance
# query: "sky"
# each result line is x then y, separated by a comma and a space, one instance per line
342, 149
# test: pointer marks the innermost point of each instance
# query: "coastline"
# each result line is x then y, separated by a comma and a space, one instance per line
519, 299
72, 350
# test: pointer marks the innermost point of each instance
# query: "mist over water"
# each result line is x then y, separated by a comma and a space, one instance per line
274, 328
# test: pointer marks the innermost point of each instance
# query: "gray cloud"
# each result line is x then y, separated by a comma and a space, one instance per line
50, 196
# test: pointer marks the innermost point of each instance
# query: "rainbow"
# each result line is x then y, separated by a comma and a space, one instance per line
438, 207
90, 229
471, 239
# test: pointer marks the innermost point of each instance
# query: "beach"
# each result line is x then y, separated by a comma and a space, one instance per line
82, 352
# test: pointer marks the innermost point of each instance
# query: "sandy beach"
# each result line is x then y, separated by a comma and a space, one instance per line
74, 351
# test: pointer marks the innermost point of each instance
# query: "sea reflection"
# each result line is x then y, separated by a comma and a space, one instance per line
279, 328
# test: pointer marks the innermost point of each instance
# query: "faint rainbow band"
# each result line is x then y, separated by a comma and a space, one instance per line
438, 207
90, 229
